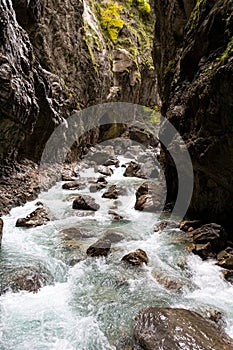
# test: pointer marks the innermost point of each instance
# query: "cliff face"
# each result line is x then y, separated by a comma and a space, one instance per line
58, 57
193, 54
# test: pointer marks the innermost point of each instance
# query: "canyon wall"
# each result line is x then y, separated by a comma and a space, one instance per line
57, 58
193, 55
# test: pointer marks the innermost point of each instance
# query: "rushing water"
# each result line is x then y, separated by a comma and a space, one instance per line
90, 306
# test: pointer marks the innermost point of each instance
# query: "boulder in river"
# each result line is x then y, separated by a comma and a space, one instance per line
73, 185
177, 329
37, 218
136, 258
113, 236
150, 196
163, 225
1, 231
112, 161
100, 248
147, 202
134, 170
212, 233
74, 233
169, 282
190, 225
26, 278
111, 192
85, 202
105, 170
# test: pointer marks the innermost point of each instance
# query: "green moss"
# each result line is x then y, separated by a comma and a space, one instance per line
111, 20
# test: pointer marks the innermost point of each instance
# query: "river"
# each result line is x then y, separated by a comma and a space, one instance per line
90, 306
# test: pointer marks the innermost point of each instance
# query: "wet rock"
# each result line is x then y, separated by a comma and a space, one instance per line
134, 170
74, 233
177, 329
228, 275
37, 218
101, 157
166, 225
212, 233
105, 170
85, 202
149, 196
115, 216
203, 250
30, 279
1, 231
97, 187
113, 236
112, 161
147, 202
74, 185
169, 282
136, 258
226, 262
100, 248
111, 192
190, 225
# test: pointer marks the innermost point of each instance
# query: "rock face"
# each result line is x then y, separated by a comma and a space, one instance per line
85, 202
45, 51
193, 57
37, 218
177, 329
1, 229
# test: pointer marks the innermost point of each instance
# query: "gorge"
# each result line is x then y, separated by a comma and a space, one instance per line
57, 59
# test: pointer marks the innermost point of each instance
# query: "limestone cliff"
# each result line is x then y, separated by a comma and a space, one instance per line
193, 54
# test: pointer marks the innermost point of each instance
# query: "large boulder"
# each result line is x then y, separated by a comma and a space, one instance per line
1, 231
211, 233
85, 202
177, 329
37, 218
26, 278
99, 248
150, 196
136, 258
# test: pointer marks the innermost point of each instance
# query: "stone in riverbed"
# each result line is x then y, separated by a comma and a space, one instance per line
37, 218
111, 192
105, 170
74, 233
134, 170
203, 250
163, 225
85, 202
112, 161
136, 258
177, 329
169, 282
1, 231
149, 196
30, 279
73, 185
100, 248
212, 233
113, 236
